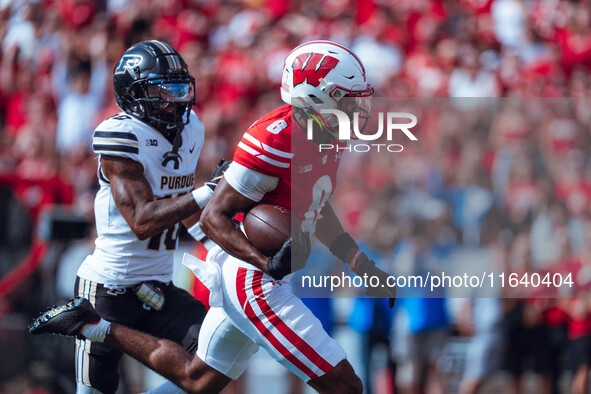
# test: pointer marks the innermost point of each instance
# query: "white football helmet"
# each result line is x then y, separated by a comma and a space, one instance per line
325, 75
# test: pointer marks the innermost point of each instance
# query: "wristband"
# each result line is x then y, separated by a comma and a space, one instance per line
202, 195
342, 245
196, 232
353, 264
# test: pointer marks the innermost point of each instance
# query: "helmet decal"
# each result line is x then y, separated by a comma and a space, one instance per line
174, 62
127, 62
311, 67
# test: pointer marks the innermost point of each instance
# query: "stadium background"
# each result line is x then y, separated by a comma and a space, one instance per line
515, 188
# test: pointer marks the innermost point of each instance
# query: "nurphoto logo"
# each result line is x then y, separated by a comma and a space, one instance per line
395, 122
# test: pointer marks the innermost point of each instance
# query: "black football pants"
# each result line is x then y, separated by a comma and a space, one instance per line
97, 365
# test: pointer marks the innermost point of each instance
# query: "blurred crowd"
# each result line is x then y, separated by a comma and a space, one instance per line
57, 57
506, 181
496, 185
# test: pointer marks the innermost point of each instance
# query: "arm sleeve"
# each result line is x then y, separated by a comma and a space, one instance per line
251, 184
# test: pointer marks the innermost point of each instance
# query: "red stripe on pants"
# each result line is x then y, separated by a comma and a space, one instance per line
284, 329
250, 313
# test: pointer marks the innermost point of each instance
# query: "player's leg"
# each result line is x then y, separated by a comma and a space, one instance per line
97, 365
168, 358
223, 354
179, 320
267, 312
223, 348
226, 349
340, 379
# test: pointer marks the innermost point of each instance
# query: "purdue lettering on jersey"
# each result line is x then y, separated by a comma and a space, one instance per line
119, 254
176, 182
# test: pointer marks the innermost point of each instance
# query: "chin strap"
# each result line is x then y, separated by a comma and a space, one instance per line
173, 155
323, 124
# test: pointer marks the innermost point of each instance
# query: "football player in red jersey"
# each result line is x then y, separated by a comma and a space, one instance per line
275, 162
258, 308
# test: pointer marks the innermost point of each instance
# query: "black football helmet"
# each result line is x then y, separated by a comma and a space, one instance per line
152, 83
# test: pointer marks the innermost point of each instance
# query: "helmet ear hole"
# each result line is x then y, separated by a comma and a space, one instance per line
333, 121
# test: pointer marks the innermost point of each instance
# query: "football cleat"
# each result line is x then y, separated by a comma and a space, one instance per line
66, 320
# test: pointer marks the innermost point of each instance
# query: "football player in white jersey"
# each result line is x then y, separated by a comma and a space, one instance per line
147, 159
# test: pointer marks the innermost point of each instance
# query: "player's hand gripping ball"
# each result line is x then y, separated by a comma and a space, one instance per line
276, 233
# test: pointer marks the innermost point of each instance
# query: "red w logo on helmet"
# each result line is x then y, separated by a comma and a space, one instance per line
310, 67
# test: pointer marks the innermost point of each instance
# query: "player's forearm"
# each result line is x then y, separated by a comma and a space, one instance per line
329, 228
135, 200
152, 217
220, 228
216, 222
192, 220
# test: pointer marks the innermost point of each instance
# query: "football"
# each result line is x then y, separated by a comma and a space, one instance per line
268, 226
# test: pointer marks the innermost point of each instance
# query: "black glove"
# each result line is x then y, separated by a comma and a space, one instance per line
364, 266
218, 173
291, 258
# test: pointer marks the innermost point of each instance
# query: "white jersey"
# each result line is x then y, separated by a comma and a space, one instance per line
120, 258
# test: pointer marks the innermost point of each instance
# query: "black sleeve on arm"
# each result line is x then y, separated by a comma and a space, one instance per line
330, 232
341, 246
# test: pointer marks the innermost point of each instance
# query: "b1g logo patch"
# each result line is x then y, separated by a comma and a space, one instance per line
128, 62
151, 142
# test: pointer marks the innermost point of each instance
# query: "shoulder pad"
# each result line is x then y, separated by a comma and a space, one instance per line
115, 136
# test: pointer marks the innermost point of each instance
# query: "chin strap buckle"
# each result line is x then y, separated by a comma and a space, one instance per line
173, 155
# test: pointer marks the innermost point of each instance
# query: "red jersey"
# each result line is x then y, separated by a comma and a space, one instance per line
276, 145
